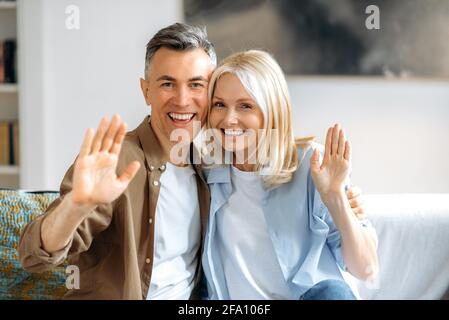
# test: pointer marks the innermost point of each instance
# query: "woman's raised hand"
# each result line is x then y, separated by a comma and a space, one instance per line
95, 180
330, 176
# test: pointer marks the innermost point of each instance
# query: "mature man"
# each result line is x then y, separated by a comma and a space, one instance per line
137, 235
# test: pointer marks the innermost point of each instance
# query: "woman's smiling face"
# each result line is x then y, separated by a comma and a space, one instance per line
235, 114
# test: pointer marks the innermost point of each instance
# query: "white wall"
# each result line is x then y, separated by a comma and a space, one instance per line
71, 78
399, 129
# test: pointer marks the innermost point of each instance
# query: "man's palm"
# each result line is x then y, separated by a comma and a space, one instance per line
95, 180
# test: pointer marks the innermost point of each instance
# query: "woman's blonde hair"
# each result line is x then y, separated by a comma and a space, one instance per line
265, 82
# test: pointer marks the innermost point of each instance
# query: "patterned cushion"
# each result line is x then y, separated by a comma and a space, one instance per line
17, 208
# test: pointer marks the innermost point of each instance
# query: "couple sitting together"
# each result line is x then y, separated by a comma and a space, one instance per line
267, 217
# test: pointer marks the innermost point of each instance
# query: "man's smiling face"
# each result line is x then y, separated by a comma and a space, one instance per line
176, 89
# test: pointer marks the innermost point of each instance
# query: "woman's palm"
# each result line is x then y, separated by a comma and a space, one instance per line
331, 175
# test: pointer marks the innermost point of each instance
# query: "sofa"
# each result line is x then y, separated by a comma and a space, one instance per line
17, 208
413, 232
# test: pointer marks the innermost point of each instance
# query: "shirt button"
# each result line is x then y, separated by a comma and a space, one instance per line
156, 183
148, 260
151, 168
151, 221
162, 168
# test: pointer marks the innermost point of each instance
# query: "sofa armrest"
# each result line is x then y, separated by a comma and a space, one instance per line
413, 232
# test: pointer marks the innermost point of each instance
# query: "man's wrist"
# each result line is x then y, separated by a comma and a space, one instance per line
79, 209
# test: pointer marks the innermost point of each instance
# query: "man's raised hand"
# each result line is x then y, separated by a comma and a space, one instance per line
95, 180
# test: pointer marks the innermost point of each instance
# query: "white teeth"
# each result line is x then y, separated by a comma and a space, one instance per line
181, 116
234, 133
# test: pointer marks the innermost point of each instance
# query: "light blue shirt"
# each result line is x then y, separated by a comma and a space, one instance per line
305, 239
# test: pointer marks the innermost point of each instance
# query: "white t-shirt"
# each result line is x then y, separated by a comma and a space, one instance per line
249, 261
177, 235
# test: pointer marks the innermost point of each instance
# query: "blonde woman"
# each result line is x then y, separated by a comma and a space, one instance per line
280, 224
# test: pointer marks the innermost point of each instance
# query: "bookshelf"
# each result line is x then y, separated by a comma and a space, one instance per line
8, 88
9, 106
9, 170
8, 5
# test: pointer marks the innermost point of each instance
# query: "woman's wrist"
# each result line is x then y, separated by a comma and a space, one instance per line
335, 194
336, 200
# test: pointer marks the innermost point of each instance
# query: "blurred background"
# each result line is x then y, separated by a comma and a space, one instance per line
388, 87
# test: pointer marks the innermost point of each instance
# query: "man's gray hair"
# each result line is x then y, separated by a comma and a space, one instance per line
180, 37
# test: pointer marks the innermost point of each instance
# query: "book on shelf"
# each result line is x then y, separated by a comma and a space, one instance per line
2, 64
4, 143
9, 143
8, 59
